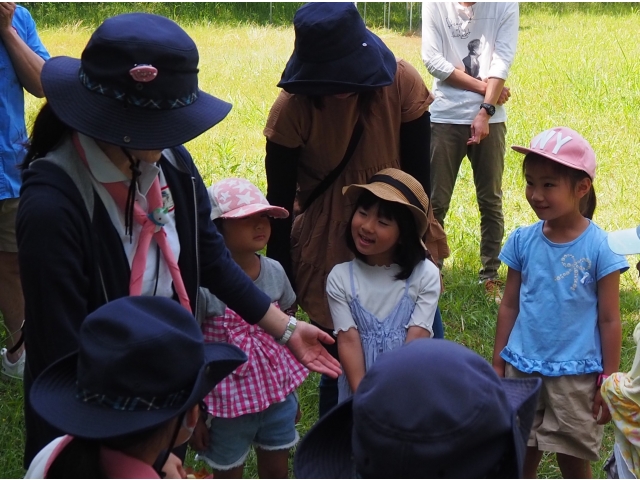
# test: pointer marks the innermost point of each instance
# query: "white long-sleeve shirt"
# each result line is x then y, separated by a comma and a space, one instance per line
479, 40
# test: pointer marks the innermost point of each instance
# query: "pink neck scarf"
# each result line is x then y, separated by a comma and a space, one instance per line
152, 227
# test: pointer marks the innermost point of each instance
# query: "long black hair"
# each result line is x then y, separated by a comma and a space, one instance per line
48, 131
574, 176
409, 250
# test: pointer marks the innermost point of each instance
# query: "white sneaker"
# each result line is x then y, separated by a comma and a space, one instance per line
13, 370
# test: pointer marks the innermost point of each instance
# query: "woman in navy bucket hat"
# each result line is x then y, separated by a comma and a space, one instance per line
348, 109
129, 392
113, 205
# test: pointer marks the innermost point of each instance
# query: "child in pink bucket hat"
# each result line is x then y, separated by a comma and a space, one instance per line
559, 319
256, 405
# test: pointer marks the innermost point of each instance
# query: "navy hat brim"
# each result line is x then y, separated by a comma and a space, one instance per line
53, 397
115, 122
326, 450
366, 68
522, 394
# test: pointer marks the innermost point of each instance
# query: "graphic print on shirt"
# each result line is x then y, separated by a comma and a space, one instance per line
579, 269
471, 63
459, 28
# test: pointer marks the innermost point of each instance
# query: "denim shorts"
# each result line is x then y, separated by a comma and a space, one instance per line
230, 439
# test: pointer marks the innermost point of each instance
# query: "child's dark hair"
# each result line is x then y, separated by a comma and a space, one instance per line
588, 202
409, 250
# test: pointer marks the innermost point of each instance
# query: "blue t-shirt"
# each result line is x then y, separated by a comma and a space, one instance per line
13, 133
556, 332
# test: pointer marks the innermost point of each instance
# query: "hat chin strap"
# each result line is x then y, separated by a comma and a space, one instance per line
172, 444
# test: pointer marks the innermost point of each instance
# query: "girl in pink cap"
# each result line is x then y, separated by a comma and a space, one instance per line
560, 318
256, 405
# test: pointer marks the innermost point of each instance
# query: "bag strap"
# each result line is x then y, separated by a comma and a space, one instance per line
335, 173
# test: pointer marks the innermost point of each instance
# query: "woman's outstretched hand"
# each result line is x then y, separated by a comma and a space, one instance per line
306, 345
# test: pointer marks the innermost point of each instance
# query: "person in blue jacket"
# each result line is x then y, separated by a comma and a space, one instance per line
113, 205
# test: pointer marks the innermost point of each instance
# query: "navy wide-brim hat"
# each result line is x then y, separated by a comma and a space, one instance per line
335, 53
141, 362
135, 86
430, 409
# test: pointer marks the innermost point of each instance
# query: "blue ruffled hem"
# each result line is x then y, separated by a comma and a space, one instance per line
551, 369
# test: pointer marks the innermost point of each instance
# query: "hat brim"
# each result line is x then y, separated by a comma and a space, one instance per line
248, 210
624, 242
53, 397
325, 451
390, 194
112, 121
522, 395
366, 68
550, 156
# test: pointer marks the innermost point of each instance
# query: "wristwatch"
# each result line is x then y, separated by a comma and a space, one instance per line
490, 109
291, 326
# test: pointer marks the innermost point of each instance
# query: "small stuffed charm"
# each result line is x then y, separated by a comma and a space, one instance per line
159, 217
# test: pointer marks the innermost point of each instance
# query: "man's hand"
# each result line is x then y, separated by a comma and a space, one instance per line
479, 128
306, 345
504, 96
6, 16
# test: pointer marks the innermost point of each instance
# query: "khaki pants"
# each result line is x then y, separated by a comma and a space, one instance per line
448, 149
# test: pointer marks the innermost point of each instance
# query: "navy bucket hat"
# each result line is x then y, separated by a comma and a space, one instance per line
335, 53
141, 362
135, 86
430, 409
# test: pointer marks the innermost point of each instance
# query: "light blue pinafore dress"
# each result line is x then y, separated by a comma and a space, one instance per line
377, 335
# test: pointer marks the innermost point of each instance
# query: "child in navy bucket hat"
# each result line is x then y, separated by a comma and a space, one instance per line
113, 199
430, 409
131, 391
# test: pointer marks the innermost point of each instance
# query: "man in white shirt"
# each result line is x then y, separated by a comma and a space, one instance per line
469, 48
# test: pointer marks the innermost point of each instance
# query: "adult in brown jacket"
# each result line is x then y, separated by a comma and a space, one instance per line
341, 78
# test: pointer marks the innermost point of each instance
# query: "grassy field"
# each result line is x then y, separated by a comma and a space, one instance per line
576, 65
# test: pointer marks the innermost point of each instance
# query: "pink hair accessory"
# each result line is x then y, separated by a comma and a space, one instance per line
564, 146
239, 198
143, 73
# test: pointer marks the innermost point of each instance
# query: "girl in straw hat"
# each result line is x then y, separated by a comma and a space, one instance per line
113, 205
388, 294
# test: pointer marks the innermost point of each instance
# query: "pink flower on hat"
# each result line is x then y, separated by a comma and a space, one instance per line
239, 198
565, 146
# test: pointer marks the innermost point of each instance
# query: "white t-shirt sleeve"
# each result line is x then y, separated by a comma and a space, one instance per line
427, 277
432, 42
288, 295
506, 41
337, 287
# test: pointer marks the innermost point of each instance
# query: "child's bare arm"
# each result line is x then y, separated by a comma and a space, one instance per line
507, 314
415, 331
351, 356
610, 335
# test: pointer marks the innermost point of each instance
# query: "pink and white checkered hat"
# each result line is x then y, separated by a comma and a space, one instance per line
565, 146
239, 198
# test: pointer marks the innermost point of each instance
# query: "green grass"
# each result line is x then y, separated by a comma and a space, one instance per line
577, 65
